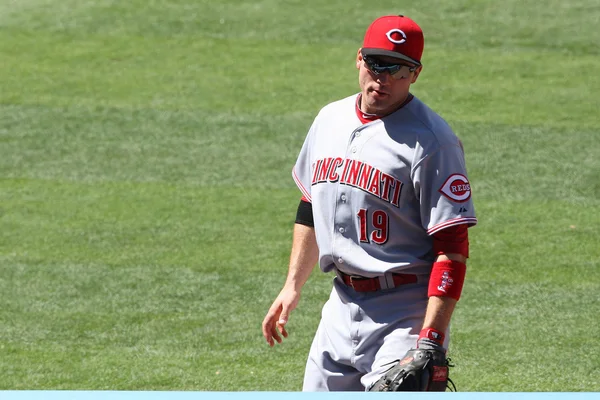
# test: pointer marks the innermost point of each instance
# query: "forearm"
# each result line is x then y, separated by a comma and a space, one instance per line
440, 308
439, 312
304, 256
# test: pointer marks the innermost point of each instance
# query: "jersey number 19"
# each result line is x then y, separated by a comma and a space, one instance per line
379, 222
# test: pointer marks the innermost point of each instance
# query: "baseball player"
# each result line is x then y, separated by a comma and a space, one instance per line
385, 206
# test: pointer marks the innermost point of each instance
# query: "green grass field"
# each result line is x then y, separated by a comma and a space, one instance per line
146, 201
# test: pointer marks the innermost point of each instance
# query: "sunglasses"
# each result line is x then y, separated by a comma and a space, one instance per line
378, 67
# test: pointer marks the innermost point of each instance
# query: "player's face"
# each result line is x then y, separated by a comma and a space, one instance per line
383, 93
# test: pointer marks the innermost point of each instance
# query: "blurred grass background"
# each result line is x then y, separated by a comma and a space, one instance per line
146, 202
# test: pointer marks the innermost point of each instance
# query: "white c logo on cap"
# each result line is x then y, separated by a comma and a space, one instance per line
389, 36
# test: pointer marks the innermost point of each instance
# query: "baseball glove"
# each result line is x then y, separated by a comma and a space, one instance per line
420, 370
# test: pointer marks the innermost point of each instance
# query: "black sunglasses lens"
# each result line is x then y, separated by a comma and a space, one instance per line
392, 69
376, 67
371, 63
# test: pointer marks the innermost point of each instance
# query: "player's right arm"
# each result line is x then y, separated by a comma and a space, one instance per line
304, 254
303, 258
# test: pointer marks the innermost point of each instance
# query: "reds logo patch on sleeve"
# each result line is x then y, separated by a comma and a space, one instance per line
456, 188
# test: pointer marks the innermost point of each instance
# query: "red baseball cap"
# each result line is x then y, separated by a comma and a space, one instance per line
394, 36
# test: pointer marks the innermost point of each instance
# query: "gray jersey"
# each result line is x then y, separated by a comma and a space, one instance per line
380, 190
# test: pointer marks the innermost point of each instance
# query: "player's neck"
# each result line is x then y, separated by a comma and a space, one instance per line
364, 113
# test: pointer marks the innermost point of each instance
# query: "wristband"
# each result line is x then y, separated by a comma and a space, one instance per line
432, 334
447, 279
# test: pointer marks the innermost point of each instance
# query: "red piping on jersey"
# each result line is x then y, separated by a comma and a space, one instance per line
451, 222
365, 118
305, 192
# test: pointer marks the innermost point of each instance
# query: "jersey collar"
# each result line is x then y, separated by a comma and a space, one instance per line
366, 118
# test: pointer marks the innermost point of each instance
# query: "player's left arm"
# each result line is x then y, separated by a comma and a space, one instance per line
451, 246
441, 184
440, 308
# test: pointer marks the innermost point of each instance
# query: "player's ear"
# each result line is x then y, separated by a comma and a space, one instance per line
416, 74
358, 59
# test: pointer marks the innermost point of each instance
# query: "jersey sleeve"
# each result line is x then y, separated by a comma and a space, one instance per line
443, 189
302, 171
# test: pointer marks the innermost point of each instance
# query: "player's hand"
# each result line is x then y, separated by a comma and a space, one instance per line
274, 323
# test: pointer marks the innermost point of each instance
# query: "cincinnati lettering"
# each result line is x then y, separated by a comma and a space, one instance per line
360, 175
